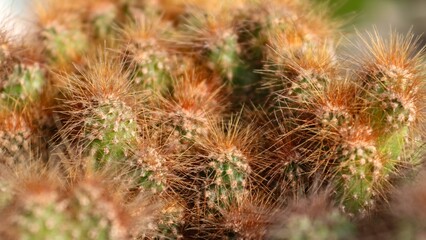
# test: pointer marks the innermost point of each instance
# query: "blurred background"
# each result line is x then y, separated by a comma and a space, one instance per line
362, 14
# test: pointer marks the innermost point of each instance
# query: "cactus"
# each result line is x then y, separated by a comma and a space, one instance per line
111, 128
43, 217
170, 222
228, 171
361, 169
215, 36
312, 217
36, 209
16, 138
194, 100
298, 76
393, 82
63, 36
63, 44
22, 76
96, 213
250, 219
45, 211
138, 98
149, 57
23, 85
226, 178
103, 15
108, 121
152, 170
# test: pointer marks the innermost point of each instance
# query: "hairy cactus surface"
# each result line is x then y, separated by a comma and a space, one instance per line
195, 119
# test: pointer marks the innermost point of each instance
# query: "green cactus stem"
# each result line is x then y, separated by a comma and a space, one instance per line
23, 85
331, 226
15, 140
361, 169
392, 97
223, 55
152, 63
64, 44
42, 215
151, 169
103, 18
95, 213
110, 130
170, 223
226, 179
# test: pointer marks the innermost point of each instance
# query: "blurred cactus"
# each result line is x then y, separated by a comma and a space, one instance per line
103, 15
24, 83
45, 211
173, 119
313, 218
151, 61
16, 139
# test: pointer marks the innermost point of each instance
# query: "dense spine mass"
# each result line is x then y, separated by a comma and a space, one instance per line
193, 119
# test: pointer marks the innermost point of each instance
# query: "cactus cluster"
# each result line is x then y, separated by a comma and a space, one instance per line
173, 119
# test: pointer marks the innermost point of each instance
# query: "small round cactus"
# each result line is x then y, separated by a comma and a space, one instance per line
227, 174
101, 115
393, 81
102, 15
150, 60
16, 138
152, 170
297, 76
96, 213
43, 217
249, 219
43, 212
312, 217
215, 37
194, 100
226, 178
62, 34
361, 171
110, 127
23, 85
170, 221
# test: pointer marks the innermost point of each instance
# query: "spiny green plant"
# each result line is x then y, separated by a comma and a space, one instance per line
157, 168
362, 171
195, 98
393, 82
312, 217
22, 76
250, 219
24, 83
103, 15
63, 36
101, 112
43, 210
16, 138
89, 204
298, 76
213, 34
170, 221
148, 55
227, 175
151, 113
30, 200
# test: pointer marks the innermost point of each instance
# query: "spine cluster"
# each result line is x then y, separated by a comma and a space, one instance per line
172, 119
